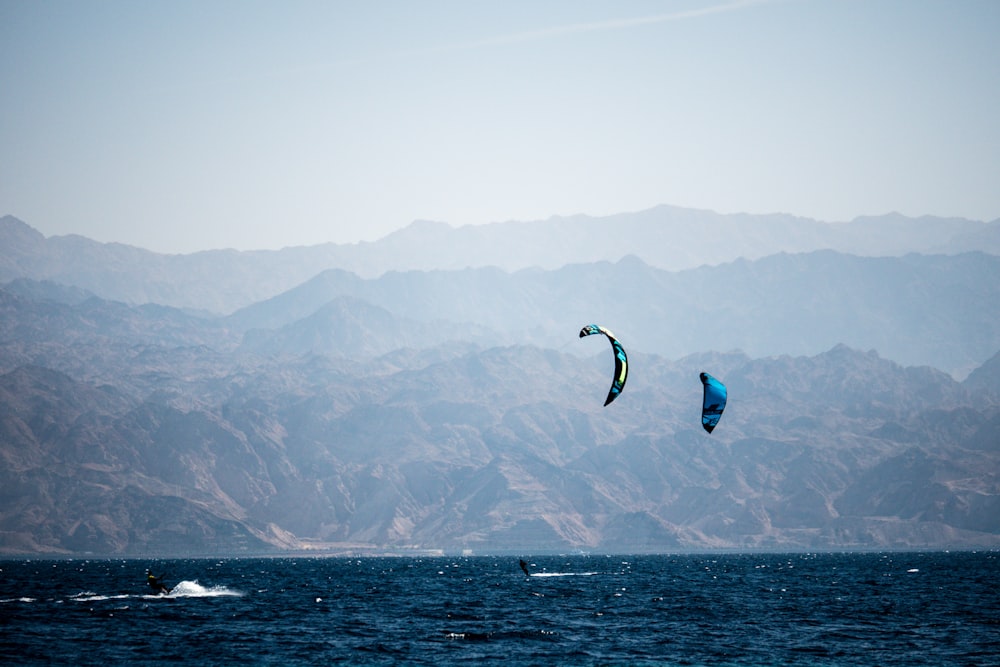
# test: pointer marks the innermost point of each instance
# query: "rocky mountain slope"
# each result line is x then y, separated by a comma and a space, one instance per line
139, 431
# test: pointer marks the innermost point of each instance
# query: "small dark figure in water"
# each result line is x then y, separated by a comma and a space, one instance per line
156, 583
524, 566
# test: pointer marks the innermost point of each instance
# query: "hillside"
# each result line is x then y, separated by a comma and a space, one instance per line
117, 441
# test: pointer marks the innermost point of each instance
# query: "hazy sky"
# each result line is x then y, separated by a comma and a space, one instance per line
185, 125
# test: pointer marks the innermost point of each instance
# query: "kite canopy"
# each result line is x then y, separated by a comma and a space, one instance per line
713, 402
621, 361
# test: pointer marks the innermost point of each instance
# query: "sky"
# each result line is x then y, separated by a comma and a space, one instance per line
201, 124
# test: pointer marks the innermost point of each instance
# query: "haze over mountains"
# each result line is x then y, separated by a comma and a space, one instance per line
428, 391
665, 237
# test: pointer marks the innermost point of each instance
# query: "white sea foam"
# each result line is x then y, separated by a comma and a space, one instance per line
93, 597
185, 589
192, 589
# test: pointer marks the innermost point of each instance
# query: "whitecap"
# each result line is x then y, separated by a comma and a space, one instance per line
192, 589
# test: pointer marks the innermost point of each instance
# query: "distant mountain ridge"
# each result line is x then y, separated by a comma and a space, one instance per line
914, 309
666, 237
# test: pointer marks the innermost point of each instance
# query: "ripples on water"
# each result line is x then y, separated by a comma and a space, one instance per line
832, 609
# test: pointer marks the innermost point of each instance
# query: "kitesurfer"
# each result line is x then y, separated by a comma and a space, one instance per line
156, 583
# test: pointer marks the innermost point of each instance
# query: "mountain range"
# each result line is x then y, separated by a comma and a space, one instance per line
230, 402
665, 237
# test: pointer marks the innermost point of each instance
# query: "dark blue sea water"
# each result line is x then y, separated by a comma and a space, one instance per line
763, 609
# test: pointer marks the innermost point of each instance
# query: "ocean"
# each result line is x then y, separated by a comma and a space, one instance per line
900, 608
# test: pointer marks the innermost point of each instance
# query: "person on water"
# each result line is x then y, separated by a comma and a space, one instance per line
156, 583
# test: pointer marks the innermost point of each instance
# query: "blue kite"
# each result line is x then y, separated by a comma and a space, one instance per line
713, 401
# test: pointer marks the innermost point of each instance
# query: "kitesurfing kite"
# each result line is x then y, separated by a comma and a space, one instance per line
621, 361
713, 402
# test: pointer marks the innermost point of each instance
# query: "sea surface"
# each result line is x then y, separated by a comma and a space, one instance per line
756, 609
